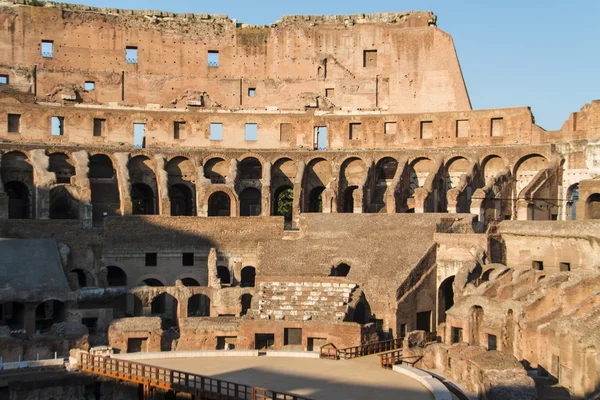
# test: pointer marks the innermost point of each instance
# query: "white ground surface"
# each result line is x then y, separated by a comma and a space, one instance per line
360, 378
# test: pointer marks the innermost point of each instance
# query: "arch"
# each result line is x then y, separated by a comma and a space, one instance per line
315, 200
217, 170
283, 203
105, 197
19, 200
491, 166
12, 315
250, 202
142, 199
115, 276
386, 169
248, 277
485, 277
16, 167
219, 204
283, 172
419, 170
246, 301
476, 321
530, 162
348, 200
190, 282
360, 313
165, 304
182, 200
198, 305
592, 206
342, 269
62, 204
153, 282
48, 313
84, 278
224, 275
250, 168
353, 171
180, 169
445, 298
60, 164
455, 168
571, 204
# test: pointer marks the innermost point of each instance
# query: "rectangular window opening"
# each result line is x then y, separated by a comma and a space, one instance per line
178, 127
369, 58
251, 132
187, 259
492, 342
424, 321
462, 128
58, 126
47, 48
264, 341
216, 131
389, 128
497, 127
426, 129
355, 130
213, 58
329, 93
3, 79
457, 335
99, 126
565, 267
131, 54
292, 336
403, 330
151, 260
89, 86
537, 265
14, 123
139, 136
251, 92
226, 342
320, 140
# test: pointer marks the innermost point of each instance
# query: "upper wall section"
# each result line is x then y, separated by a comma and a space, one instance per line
399, 62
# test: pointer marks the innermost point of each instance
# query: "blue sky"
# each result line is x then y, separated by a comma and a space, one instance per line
539, 53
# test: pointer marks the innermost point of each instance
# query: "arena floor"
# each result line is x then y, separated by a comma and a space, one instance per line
361, 378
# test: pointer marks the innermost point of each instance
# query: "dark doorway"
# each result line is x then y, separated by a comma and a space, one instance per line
424, 321
248, 276
181, 199
142, 199
246, 303
348, 206
284, 202
250, 200
137, 345
19, 204
315, 200
219, 205
292, 337
224, 275
264, 341
62, 204
116, 276
445, 298
360, 313
199, 306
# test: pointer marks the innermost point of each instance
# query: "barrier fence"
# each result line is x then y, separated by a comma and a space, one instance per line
201, 386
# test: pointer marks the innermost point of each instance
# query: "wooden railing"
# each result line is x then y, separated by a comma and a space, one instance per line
201, 386
331, 352
388, 360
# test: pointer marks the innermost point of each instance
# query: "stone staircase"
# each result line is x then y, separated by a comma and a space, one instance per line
303, 301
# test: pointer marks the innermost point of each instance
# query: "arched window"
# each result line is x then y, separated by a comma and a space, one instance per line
315, 202
224, 275
165, 305
116, 276
190, 282
445, 298
248, 276
340, 270
142, 199
250, 168
61, 166
250, 200
593, 206
219, 205
153, 282
199, 306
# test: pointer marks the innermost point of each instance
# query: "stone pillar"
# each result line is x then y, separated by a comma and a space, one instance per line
420, 195
42, 182
202, 185
122, 160
477, 204
452, 200
358, 197
298, 195
522, 210
81, 183
213, 279
3, 197
266, 190
162, 185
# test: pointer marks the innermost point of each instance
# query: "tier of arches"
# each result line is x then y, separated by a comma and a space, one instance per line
354, 184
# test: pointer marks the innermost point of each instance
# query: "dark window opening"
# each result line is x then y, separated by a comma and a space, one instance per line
565, 267
91, 324
187, 259
492, 342
537, 265
131, 54
340, 270
248, 276
116, 276
219, 205
99, 126
226, 342
178, 127
424, 321
137, 345
246, 303
403, 330
224, 275
190, 282
151, 259
264, 341
457, 335
14, 123
47, 48
213, 58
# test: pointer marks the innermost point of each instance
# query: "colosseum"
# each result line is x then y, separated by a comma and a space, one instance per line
180, 186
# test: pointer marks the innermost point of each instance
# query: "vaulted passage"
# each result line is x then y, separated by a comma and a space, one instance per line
182, 186
62, 204
19, 201
250, 200
248, 276
181, 198
315, 202
219, 205
199, 306
143, 186
283, 202
105, 189
142, 199
17, 177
